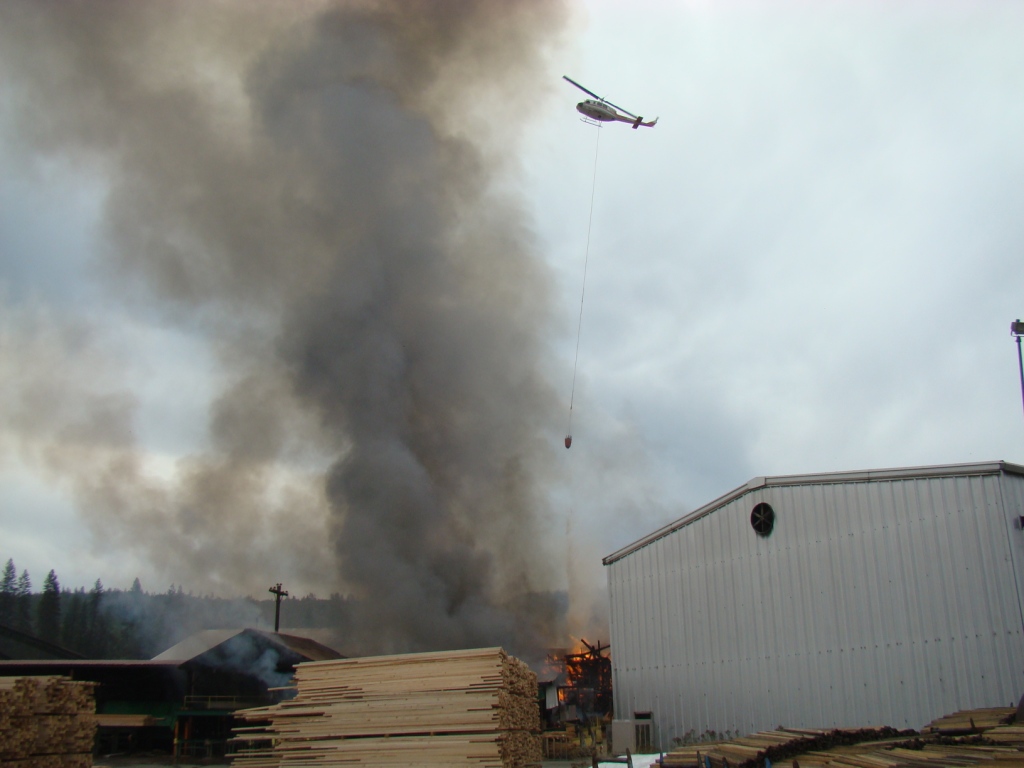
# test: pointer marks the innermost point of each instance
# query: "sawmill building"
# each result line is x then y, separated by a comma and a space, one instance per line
886, 597
183, 701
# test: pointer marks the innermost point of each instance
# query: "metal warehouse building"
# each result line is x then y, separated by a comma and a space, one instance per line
885, 597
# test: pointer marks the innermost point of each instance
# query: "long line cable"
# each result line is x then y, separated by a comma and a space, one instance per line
583, 291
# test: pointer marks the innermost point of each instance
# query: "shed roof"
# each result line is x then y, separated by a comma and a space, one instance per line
63, 666
208, 639
25, 645
196, 645
823, 478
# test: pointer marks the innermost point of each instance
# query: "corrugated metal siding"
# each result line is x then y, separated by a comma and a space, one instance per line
884, 602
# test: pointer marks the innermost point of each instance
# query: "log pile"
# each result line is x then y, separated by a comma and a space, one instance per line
454, 708
46, 722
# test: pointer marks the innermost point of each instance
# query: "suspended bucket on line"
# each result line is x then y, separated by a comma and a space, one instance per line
583, 291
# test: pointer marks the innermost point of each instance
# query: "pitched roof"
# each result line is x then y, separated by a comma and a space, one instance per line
208, 639
197, 644
821, 478
305, 646
25, 645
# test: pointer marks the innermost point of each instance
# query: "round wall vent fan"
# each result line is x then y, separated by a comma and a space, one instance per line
762, 519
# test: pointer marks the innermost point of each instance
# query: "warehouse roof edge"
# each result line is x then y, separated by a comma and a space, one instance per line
855, 476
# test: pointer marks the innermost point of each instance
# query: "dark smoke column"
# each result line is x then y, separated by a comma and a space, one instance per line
321, 189
422, 347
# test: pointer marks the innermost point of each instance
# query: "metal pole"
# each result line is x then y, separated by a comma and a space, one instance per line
1017, 330
279, 593
1020, 366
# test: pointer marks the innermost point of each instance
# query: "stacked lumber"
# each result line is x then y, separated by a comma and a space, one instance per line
925, 752
46, 722
970, 721
776, 746
971, 737
126, 721
1007, 734
454, 708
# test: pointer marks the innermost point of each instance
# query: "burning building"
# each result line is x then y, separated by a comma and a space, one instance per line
587, 693
576, 699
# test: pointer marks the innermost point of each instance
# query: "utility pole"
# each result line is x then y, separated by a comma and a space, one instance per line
276, 590
1017, 330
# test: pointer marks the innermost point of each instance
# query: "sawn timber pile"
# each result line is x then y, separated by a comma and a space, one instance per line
46, 722
453, 708
971, 737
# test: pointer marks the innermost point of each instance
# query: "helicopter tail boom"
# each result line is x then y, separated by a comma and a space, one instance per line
640, 121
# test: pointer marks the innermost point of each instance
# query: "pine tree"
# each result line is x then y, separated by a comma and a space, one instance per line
73, 626
48, 619
124, 625
8, 594
97, 627
23, 615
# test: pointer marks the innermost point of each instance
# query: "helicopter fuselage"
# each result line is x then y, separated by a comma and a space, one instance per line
603, 112
595, 110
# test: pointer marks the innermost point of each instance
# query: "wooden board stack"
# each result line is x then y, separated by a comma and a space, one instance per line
970, 721
775, 745
453, 708
46, 722
971, 737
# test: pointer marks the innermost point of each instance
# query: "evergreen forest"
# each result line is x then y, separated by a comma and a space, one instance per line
100, 623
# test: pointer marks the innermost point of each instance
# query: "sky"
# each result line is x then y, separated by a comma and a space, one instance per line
810, 264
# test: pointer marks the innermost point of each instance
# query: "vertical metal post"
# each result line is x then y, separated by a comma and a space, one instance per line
1020, 367
276, 590
1017, 330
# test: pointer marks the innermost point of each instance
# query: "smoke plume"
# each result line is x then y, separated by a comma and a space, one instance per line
321, 191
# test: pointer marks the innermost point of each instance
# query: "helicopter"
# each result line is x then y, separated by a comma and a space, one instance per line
603, 111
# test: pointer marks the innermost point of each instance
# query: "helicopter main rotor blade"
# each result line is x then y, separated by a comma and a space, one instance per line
603, 100
585, 90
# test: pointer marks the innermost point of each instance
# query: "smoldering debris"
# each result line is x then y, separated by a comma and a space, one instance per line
318, 190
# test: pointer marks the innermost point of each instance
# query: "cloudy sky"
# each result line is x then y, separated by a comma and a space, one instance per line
810, 264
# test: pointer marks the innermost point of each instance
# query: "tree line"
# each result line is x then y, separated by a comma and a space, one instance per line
102, 623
